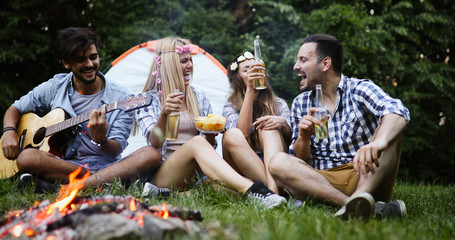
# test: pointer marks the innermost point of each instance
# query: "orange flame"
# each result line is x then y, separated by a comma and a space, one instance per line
29, 232
68, 192
133, 205
164, 213
62, 203
140, 220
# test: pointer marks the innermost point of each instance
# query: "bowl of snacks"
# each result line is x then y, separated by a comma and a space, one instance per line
213, 123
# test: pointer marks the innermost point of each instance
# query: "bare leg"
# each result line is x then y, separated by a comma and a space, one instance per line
295, 176
301, 180
181, 166
238, 153
380, 184
270, 141
45, 165
139, 163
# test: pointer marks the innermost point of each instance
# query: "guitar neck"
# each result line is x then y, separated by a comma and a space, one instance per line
71, 122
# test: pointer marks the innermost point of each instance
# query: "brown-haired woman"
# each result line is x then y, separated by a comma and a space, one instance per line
257, 122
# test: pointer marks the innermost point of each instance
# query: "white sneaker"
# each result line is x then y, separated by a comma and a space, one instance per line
357, 206
259, 193
151, 190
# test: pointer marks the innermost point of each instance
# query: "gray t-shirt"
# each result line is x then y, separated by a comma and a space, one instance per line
88, 154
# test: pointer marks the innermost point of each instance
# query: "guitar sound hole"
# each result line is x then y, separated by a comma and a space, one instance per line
39, 135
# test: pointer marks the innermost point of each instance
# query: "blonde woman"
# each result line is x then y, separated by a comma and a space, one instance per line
191, 152
257, 121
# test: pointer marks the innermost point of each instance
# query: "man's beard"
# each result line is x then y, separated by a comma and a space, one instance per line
315, 77
85, 81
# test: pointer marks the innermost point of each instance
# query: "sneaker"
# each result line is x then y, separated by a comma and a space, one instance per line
41, 186
395, 209
26, 178
259, 193
357, 206
151, 190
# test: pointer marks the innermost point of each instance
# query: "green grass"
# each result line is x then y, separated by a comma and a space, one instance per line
431, 214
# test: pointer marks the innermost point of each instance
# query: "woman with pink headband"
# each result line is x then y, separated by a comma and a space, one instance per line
191, 152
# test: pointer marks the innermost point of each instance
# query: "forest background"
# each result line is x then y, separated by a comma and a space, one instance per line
405, 46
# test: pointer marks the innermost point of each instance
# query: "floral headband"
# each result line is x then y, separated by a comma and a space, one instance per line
241, 58
179, 49
184, 48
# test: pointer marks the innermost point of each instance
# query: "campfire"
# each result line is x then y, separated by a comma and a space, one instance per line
97, 217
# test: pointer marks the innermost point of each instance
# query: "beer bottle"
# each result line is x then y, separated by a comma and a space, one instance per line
259, 84
322, 114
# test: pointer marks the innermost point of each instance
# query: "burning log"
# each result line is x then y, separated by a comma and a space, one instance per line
104, 217
75, 218
108, 226
182, 213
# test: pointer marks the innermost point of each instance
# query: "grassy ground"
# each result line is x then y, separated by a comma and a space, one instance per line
431, 214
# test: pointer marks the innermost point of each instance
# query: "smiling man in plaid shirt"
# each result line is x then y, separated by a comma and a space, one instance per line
358, 162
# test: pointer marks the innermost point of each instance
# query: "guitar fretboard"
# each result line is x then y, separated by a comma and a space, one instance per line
75, 121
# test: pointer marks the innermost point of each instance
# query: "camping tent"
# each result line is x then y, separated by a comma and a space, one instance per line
132, 68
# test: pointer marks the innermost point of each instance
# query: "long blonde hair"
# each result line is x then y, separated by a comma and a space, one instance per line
264, 105
171, 74
166, 74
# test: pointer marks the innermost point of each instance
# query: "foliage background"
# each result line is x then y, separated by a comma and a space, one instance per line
405, 46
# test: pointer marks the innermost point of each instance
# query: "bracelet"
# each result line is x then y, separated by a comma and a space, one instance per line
6, 129
99, 144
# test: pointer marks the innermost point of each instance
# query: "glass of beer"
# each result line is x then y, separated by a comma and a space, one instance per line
172, 126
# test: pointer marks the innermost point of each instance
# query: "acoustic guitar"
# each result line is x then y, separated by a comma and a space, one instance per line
52, 132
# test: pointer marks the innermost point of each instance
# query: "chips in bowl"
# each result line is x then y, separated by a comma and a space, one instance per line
213, 123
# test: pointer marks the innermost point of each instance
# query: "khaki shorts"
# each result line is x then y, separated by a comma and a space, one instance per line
345, 179
342, 177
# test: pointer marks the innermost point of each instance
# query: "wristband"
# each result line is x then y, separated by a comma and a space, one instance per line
99, 144
6, 129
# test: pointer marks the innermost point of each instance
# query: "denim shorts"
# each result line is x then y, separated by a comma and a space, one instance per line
92, 164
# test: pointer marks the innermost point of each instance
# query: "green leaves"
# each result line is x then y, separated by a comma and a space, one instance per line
406, 47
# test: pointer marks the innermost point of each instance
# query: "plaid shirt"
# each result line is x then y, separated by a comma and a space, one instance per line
147, 118
360, 106
232, 114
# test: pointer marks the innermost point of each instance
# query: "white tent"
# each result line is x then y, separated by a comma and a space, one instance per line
132, 68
